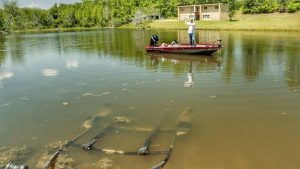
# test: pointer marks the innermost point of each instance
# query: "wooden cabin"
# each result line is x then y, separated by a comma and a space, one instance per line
212, 12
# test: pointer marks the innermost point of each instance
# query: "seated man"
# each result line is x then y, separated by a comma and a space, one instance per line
154, 40
173, 42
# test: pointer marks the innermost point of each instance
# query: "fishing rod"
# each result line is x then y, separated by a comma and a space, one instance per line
52, 160
167, 157
101, 134
182, 121
117, 152
144, 149
50, 163
14, 166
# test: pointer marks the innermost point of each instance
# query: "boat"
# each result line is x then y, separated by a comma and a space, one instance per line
198, 49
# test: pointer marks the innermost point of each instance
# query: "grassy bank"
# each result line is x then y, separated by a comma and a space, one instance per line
270, 22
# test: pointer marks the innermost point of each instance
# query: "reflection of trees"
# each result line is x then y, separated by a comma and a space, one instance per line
254, 50
115, 43
247, 52
292, 71
2, 49
229, 54
15, 48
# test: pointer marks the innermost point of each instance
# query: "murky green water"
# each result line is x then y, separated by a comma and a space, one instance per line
244, 99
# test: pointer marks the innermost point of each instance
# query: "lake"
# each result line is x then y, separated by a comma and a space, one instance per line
242, 102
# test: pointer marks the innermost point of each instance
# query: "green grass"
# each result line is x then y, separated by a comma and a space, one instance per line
272, 22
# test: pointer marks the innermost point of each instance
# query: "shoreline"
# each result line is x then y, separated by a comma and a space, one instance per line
277, 22
101, 28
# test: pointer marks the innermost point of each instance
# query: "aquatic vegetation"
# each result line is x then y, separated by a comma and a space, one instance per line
65, 104
89, 122
87, 94
16, 155
70, 64
6, 75
124, 90
213, 97
105, 163
96, 95
186, 115
184, 121
49, 72
64, 161
122, 119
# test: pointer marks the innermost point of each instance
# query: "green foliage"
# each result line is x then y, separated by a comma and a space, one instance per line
282, 5
11, 13
260, 6
293, 6
1, 20
167, 8
233, 6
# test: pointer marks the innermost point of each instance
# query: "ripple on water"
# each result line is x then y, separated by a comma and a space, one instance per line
49, 72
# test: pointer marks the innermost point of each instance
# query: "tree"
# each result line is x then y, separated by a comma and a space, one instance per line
260, 6
248, 5
53, 11
1, 20
293, 6
11, 13
233, 6
282, 5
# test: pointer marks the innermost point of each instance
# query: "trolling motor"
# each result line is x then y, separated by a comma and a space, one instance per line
219, 43
15, 166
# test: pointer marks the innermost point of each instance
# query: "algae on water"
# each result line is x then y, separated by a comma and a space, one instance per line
105, 163
16, 155
64, 160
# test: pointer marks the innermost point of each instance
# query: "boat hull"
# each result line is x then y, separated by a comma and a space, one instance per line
200, 49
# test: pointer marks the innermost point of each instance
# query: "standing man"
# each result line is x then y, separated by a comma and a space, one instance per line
191, 31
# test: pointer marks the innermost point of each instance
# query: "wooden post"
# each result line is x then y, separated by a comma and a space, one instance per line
220, 14
200, 12
194, 12
178, 13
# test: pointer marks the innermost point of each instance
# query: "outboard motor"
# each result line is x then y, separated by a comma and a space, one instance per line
154, 40
219, 43
14, 166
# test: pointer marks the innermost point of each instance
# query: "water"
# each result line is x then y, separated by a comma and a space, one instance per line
244, 100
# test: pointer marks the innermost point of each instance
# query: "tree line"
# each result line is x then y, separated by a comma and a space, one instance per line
113, 13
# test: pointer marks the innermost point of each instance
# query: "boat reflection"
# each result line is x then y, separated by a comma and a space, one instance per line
190, 64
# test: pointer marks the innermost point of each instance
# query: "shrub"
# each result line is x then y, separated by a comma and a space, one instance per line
293, 7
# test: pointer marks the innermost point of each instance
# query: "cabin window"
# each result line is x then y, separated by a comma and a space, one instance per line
206, 16
216, 7
205, 8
